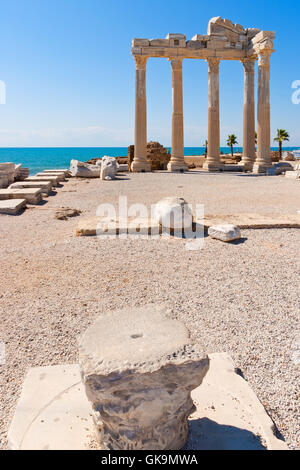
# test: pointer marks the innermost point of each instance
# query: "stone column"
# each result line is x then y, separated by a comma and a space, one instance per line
213, 162
177, 162
140, 162
249, 115
263, 160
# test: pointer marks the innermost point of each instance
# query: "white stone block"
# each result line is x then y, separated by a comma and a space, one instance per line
294, 175
84, 170
173, 213
225, 233
109, 167
53, 412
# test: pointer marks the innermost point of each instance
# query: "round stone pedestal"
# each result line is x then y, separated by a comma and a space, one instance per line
138, 369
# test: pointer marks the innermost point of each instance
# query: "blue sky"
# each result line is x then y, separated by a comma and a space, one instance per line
69, 73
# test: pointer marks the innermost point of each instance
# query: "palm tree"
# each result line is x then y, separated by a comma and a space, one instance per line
231, 141
282, 135
205, 145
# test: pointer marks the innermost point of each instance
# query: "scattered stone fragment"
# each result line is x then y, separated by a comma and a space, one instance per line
296, 351
108, 168
293, 175
12, 206
225, 233
173, 213
288, 156
65, 213
84, 170
139, 378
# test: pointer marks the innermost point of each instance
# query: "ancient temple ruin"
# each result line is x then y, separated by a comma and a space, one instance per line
223, 41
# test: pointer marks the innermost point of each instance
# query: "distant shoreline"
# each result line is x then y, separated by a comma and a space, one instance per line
41, 158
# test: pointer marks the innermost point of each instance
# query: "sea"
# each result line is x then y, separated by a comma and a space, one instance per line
39, 159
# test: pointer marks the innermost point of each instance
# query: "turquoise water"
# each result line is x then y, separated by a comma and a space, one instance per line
38, 159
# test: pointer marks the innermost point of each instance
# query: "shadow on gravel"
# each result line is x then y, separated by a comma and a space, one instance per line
205, 434
239, 242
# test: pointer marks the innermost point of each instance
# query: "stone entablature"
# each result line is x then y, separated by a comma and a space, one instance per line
223, 41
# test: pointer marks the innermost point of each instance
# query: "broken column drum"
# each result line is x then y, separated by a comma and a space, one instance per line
139, 368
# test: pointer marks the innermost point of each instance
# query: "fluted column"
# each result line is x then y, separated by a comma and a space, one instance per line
213, 162
177, 162
140, 162
263, 160
249, 115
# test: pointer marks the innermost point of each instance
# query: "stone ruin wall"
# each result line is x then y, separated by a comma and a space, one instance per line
157, 154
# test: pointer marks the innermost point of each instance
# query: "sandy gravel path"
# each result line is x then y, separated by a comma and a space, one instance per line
241, 298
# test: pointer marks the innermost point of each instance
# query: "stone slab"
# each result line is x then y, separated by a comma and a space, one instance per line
32, 195
59, 176
53, 412
12, 206
54, 179
63, 170
45, 186
253, 221
228, 414
90, 225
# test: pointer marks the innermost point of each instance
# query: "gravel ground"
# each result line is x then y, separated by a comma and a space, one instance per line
240, 298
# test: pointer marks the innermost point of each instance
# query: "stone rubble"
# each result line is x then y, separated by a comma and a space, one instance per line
225, 233
84, 170
64, 213
109, 167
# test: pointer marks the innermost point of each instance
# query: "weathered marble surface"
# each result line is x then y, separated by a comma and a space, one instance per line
225, 232
109, 167
173, 213
139, 369
84, 170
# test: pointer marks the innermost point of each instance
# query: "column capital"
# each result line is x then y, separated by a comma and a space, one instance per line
249, 64
264, 58
213, 64
176, 62
140, 61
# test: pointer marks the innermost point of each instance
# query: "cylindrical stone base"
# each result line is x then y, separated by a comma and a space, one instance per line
139, 369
